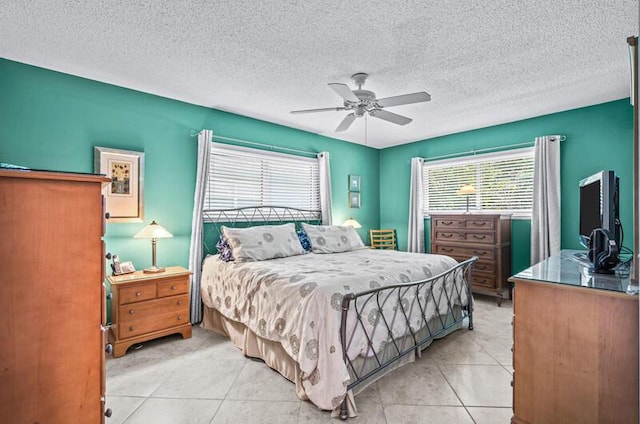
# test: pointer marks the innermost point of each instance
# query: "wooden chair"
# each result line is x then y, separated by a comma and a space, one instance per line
383, 239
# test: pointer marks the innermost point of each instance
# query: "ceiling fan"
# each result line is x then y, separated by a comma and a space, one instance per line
364, 101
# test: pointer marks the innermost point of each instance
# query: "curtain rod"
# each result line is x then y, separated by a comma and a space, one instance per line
488, 149
253, 143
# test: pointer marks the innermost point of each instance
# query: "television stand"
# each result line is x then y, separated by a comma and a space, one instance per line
575, 354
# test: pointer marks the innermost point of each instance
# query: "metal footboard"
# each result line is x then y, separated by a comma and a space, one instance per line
402, 318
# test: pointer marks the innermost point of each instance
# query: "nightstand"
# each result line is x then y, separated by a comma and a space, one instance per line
148, 306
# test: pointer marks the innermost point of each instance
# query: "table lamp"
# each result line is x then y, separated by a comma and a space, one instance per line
153, 231
352, 223
467, 190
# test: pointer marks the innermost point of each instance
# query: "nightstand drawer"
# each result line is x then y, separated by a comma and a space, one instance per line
137, 293
141, 310
153, 323
173, 286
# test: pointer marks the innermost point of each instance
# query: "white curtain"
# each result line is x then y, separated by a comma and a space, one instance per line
416, 215
325, 186
195, 251
545, 216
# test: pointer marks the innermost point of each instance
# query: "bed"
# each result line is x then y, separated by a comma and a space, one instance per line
333, 320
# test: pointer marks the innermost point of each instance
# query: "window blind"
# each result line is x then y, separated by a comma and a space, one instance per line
241, 177
503, 182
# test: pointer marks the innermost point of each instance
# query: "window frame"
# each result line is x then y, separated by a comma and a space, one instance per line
262, 187
476, 159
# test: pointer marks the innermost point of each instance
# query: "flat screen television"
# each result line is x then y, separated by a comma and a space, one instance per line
599, 206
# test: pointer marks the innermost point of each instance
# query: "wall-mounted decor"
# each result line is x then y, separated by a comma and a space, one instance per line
354, 183
354, 199
124, 196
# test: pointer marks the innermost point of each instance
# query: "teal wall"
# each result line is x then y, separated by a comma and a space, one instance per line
598, 137
51, 120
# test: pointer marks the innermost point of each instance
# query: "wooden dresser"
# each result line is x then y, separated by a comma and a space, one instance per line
486, 236
148, 306
575, 352
52, 298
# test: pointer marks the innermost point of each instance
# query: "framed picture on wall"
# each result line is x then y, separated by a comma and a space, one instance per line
124, 196
354, 183
354, 199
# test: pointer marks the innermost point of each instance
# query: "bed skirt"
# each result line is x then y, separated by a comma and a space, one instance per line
274, 355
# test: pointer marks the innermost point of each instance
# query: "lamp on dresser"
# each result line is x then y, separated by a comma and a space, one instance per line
467, 190
153, 231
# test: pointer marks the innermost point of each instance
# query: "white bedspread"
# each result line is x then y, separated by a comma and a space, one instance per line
296, 301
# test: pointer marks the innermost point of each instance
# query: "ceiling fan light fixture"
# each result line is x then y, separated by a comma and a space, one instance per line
361, 102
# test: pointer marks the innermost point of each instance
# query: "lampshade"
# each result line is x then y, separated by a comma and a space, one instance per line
352, 223
153, 230
467, 189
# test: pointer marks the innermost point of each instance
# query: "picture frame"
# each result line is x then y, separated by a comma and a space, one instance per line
354, 183
354, 199
124, 196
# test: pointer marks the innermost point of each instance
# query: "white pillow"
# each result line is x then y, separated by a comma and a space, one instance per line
332, 238
263, 242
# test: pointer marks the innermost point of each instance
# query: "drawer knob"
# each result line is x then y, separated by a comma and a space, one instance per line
108, 413
108, 255
107, 215
477, 237
109, 296
130, 328
179, 317
447, 222
480, 252
179, 302
447, 235
479, 224
109, 348
173, 287
511, 383
138, 293
446, 249
131, 312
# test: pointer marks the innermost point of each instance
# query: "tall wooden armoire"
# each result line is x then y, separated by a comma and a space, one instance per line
52, 299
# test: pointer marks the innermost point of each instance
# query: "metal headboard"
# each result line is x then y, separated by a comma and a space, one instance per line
251, 216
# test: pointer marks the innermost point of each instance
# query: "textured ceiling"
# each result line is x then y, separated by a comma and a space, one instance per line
483, 62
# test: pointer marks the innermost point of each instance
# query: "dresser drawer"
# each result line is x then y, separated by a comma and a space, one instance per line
448, 235
479, 223
141, 310
173, 287
478, 237
483, 280
481, 266
153, 323
449, 222
137, 293
464, 252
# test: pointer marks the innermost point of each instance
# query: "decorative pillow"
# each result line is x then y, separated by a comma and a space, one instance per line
304, 240
263, 242
224, 250
332, 238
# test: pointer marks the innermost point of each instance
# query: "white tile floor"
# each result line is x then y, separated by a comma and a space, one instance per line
464, 378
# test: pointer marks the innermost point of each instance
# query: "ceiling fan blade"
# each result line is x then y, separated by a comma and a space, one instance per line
346, 122
404, 99
344, 91
324, 109
389, 116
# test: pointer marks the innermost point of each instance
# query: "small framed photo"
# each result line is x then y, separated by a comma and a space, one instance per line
124, 197
354, 199
354, 183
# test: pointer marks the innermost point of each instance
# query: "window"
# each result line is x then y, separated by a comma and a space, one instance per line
503, 182
240, 177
